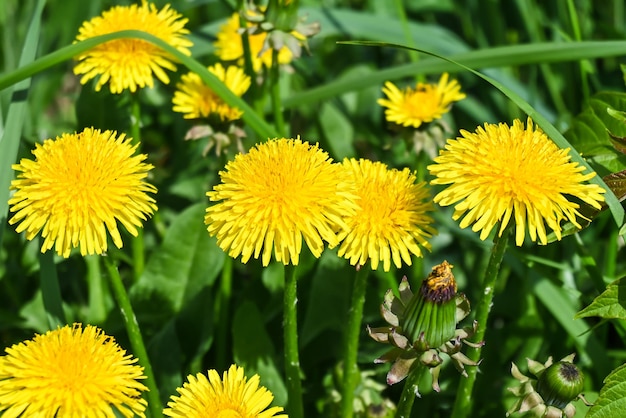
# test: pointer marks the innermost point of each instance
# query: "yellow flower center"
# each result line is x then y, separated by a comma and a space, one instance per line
422, 103
229, 413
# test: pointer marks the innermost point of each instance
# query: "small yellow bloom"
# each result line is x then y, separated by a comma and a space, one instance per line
77, 188
501, 172
232, 396
271, 198
391, 222
196, 100
229, 46
424, 104
70, 372
130, 63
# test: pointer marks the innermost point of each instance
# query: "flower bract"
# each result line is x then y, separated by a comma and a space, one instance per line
233, 395
392, 221
131, 63
197, 100
427, 102
78, 187
502, 172
70, 372
229, 46
279, 193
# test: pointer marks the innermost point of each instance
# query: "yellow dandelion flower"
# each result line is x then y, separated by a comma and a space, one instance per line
391, 222
196, 100
70, 372
231, 396
280, 192
424, 104
499, 172
130, 63
76, 189
229, 46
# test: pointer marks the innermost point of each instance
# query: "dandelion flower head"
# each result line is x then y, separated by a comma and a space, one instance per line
392, 220
231, 396
501, 172
77, 188
196, 100
130, 63
278, 193
229, 46
70, 372
425, 103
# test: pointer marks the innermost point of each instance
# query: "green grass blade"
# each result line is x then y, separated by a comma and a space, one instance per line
254, 121
550, 130
10, 140
505, 56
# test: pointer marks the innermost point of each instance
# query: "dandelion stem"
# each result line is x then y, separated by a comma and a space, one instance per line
350, 366
410, 390
463, 403
222, 309
137, 242
134, 335
275, 92
50, 290
292, 358
95, 283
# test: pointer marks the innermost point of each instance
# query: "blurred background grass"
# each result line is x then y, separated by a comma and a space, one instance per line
330, 97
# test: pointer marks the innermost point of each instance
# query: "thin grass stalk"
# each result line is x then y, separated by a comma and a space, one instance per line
137, 244
463, 402
410, 390
50, 290
351, 350
134, 334
573, 17
295, 406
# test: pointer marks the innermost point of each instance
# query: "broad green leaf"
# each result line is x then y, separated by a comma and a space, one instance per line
610, 304
254, 350
338, 131
186, 262
589, 132
611, 402
10, 139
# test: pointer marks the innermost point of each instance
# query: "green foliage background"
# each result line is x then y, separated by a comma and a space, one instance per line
330, 97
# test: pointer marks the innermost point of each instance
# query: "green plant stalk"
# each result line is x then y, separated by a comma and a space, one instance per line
95, 284
410, 390
222, 313
406, 31
279, 121
463, 402
50, 290
353, 331
295, 406
134, 334
137, 244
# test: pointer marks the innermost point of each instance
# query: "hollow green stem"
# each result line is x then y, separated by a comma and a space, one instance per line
410, 390
137, 245
279, 121
350, 366
222, 314
292, 358
463, 402
134, 334
50, 290
96, 286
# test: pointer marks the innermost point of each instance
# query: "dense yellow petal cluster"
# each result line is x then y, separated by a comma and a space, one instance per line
130, 63
279, 193
502, 172
425, 103
196, 100
78, 187
391, 222
70, 372
233, 395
